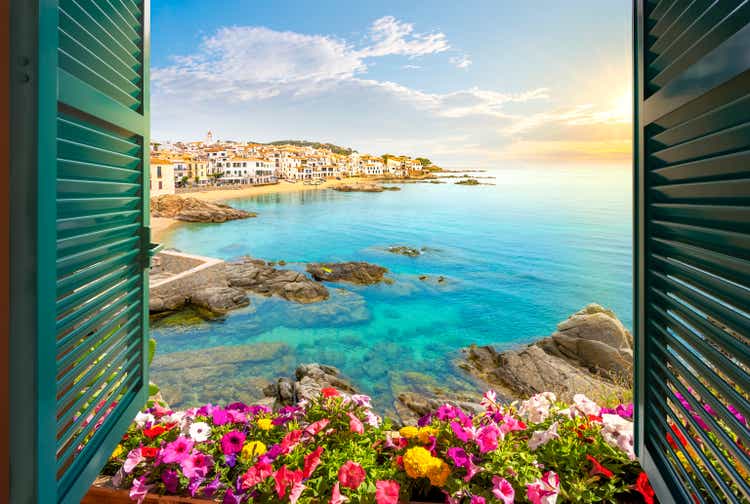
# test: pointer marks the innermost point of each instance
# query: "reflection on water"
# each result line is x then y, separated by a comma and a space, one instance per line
516, 257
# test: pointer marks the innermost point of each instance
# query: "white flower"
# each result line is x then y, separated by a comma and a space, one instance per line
489, 401
618, 432
536, 408
142, 419
585, 406
372, 419
541, 438
200, 431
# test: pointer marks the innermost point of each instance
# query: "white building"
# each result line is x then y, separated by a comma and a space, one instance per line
246, 170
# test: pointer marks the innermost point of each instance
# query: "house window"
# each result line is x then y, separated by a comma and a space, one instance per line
158, 172
160, 184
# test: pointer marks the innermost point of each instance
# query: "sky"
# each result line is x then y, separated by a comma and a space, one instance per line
467, 84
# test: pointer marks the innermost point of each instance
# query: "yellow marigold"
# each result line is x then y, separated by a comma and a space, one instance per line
439, 473
409, 431
425, 433
265, 423
419, 462
253, 449
118, 451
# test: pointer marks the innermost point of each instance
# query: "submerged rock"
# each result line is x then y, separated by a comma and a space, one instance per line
404, 250
363, 187
256, 276
360, 273
191, 209
591, 353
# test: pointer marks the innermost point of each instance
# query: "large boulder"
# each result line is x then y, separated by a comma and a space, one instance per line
591, 352
308, 381
191, 209
219, 300
257, 276
356, 272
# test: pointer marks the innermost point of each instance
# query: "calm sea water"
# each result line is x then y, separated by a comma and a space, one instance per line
517, 258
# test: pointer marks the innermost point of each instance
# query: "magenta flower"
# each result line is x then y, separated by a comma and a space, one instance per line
487, 438
544, 490
462, 459
233, 498
139, 489
177, 451
503, 490
737, 414
219, 416
196, 465
171, 480
464, 434
232, 442
477, 499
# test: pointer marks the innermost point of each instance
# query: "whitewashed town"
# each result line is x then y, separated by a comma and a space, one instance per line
188, 165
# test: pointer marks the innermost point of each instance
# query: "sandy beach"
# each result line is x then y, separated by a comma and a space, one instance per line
281, 187
160, 225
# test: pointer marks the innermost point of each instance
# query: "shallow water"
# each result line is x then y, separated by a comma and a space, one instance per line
517, 258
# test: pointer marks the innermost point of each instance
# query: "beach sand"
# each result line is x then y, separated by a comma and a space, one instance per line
281, 187
160, 225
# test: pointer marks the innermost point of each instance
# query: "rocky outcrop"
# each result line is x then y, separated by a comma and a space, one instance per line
257, 276
309, 380
411, 406
219, 300
191, 209
360, 273
470, 181
363, 187
591, 352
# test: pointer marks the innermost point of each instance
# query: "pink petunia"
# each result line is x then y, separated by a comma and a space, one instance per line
355, 424
312, 460
387, 492
232, 442
255, 474
290, 441
196, 465
336, 497
503, 490
351, 475
511, 424
134, 458
544, 490
316, 427
139, 490
177, 451
477, 499
487, 438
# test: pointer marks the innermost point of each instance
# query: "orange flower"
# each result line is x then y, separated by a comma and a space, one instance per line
329, 392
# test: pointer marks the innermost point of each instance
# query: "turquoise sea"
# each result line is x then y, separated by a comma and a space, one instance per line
517, 257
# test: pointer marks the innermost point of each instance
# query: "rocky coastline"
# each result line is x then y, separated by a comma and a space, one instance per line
190, 209
591, 352
227, 285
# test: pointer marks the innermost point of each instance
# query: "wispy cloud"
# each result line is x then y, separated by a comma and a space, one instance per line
461, 61
390, 36
245, 63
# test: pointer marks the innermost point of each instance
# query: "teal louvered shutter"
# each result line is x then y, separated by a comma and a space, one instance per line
90, 248
692, 256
